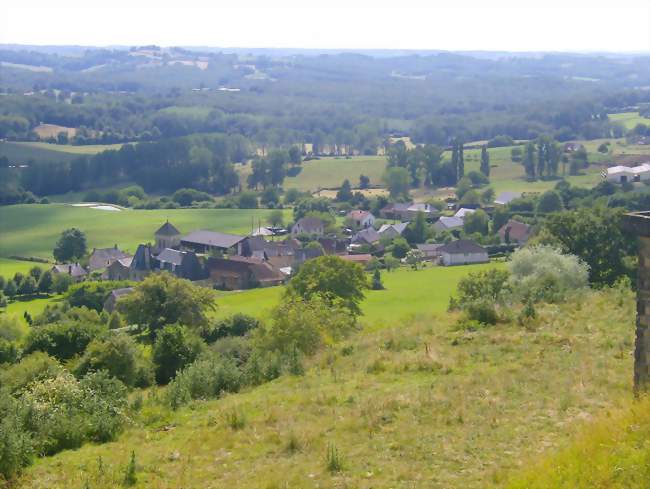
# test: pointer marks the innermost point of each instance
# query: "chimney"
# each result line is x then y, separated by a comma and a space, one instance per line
638, 223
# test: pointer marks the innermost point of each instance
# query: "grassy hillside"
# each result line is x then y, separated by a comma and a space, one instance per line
23, 152
628, 119
418, 404
330, 172
9, 267
32, 230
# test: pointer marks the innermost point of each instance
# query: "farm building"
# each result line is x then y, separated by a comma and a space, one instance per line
431, 251
515, 232
202, 241
366, 236
238, 273
361, 219
462, 252
119, 269
113, 297
308, 225
75, 271
392, 230
407, 212
625, 174
448, 223
103, 257
183, 264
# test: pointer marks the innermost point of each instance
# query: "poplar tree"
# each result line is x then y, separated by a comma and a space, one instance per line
485, 161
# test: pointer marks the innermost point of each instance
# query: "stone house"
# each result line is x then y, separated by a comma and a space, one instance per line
462, 252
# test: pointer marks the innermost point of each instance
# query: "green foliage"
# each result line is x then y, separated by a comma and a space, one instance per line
63, 340
247, 200
550, 201
118, 355
542, 273
476, 222
187, 196
276, 218
131, 472
32, 368
337, 282
163, 299
16, 446
61, 282
175, 347
334, 463
92, 294
593, 235
400, 247
70, 246
414, 258
344, 193
46, 282
235, 325
115, 321
376, 281
9, 351
397, 182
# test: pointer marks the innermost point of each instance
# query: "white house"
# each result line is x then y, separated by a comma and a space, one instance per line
361, 219
447, 223
462, 252
625, 174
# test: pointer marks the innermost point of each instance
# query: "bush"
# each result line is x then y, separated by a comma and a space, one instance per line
16, 449
63, 340
481, 310
92, 294
542, 273
32, 368
175, 348
235, 325
247, 200
118, 355
9, 351
186, 196
490, 285
61, 282
204, 379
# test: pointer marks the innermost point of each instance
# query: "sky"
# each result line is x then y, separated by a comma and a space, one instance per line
488, 25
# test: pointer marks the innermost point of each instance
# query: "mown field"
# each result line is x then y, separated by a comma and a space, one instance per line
415, 404
9, 267
23, 152
32, 230
629, 119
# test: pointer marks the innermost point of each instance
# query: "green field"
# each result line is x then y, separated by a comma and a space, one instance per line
408, 294
9, 267
191, 112
32, 230
23, 152
420, 404
330, 172
33, 307
628, 119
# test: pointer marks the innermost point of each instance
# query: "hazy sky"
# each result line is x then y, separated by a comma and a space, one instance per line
514, 25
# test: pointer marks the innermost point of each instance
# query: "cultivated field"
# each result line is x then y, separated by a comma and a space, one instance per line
32, 230
23, 152
418, 404
46, 131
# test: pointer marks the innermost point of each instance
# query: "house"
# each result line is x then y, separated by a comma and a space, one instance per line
103, 257
167, 236
333, 246
237, 273
362, 259
366, 236
141, 264
430, 251
462, 252
308, 225
75, 271
119, 269
515, 232
573, 147
392, 231
206, 242
361, 219
263, 231
505, 198
113, 297
448, 223
626, 174
183, 264
463, 211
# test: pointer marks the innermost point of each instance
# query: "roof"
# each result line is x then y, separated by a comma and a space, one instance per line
125, 262
634, 170
117, 293
310, 223
450, 222
358, 215
361, 258
167, 229
461, 246
169, 255
212, 238
142, 258
429, 247
399, 227
102, 257
506, 197
262, 231
368, 235
228, 267
72, 269
264, 272
463, 211
517, 231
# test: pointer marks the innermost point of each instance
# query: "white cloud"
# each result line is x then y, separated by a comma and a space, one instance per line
569, 25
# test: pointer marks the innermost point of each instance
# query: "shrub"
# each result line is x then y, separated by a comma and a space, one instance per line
490, 284
542, 273
119, 355
32, 368
175, 347
9, 351
376, 281
61, 282
204, 379
63, 340
92, 294
235, 325
16, 449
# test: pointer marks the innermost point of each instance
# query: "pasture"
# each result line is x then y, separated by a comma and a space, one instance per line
32, 230
329, 172
628, 119
23, 152
9, 267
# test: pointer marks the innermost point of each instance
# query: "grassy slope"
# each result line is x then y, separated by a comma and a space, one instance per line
417, 405
32, 230
9, 267
330, 172
22, 152
34, 307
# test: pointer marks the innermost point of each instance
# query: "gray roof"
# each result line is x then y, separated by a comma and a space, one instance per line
167, 229
169, 255
461, 246
368, 235
212, 238
72, 269
429, 247
310, 223
399, 227
142, 258
506, 197
449, 222
102, 257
